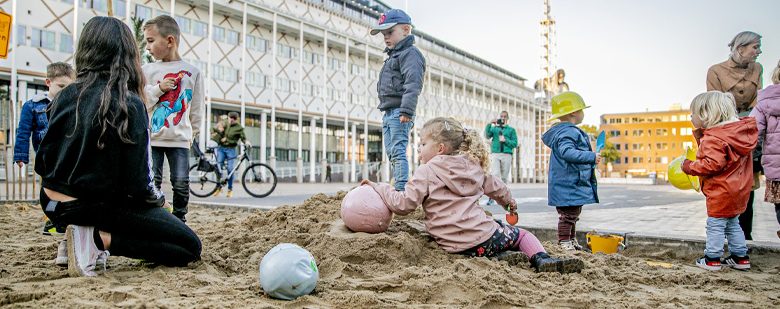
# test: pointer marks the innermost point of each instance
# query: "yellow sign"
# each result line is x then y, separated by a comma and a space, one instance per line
5, 33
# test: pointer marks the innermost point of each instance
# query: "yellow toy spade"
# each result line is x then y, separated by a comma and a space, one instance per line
678, 178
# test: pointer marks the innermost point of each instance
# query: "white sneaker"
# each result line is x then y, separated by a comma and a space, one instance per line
82, 251
576, 244
567, 245
62, 254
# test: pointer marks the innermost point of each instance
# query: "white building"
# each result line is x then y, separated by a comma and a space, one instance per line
302, 73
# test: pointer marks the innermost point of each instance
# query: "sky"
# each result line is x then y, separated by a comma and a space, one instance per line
620, 55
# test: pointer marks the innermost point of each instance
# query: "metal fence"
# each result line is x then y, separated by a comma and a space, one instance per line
16, 183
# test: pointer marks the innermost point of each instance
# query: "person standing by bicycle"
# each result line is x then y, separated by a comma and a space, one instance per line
227, 134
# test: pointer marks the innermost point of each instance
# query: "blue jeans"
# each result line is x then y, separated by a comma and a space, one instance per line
396, 138
227, 154
178, 162
716, 228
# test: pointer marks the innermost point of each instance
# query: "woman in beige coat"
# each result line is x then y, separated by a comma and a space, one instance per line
741, 76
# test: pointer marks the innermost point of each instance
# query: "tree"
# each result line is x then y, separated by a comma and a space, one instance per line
590, 129
138, 24
609, 154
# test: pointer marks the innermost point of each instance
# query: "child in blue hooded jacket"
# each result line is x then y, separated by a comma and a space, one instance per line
572, 181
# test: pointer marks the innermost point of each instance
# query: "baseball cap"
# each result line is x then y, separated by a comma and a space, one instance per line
389, 19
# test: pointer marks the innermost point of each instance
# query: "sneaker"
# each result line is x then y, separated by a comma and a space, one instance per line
216, 193
576, 244
569, 245
50, 229
229, 193
737, 262
542, 262
62, 254
82, 251
708, 263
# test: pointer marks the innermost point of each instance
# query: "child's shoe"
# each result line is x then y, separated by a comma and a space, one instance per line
62, 254
229, 194
83, 254
49, 228
570, 245
542, 262
709, 263
216, 193
737, 262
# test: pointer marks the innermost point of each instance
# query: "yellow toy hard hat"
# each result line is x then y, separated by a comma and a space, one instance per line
678, 178
566, 103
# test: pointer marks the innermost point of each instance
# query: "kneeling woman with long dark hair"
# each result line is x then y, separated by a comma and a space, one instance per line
94, 161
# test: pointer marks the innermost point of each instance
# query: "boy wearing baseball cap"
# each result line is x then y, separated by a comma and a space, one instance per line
399, 86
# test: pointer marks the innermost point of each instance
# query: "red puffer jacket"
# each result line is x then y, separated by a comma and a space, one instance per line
725, 167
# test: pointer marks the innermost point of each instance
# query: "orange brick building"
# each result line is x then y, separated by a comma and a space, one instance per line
647, 141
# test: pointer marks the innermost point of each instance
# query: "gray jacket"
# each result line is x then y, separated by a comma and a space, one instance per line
401, 78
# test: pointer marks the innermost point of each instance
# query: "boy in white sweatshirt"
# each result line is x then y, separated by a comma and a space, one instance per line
174, 101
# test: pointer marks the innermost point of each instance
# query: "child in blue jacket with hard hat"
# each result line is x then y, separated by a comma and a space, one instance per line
572, 181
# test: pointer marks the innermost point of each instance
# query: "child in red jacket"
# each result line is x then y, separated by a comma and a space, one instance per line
725, 167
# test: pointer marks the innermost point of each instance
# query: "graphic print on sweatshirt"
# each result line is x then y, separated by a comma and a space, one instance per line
175, 101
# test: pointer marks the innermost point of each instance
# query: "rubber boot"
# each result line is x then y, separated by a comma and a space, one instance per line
543, 262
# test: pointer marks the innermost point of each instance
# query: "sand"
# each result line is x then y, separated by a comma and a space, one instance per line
400, 268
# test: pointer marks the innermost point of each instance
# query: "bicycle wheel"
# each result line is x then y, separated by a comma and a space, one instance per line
202, 184
259, 180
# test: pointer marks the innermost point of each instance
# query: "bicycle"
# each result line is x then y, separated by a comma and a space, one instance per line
258, 179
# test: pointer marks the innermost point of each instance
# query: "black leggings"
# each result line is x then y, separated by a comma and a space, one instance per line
746, 218
151, 234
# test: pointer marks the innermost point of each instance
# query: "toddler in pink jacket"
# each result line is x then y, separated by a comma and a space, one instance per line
448, 185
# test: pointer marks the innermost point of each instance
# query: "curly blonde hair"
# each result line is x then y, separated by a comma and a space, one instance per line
459, 140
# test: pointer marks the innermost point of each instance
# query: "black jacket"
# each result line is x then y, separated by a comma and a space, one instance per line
401, 79
70, 162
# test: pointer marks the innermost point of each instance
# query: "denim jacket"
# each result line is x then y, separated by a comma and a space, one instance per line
401, 79
33, 121
572, 181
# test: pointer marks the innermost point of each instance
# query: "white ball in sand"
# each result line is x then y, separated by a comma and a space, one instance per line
363, 210
288, 271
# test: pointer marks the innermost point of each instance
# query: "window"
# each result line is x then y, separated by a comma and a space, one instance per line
356, 70
184, 24
21, 35
617, 146
312, 58
256, 79
336, 64
201, 65
42, 38
120, 7
232, 37
219, 34
665, 160
661, 132
225, 73
142, 12
625, 160
66, 43
287, 52
255, 43
674, 118
674, 131
687, 145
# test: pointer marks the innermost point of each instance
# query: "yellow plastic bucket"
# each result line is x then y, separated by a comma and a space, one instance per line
608, 244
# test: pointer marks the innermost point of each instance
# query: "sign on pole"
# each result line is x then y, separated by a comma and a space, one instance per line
5, 33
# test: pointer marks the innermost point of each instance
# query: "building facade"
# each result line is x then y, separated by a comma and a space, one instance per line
647, 141
302, 74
